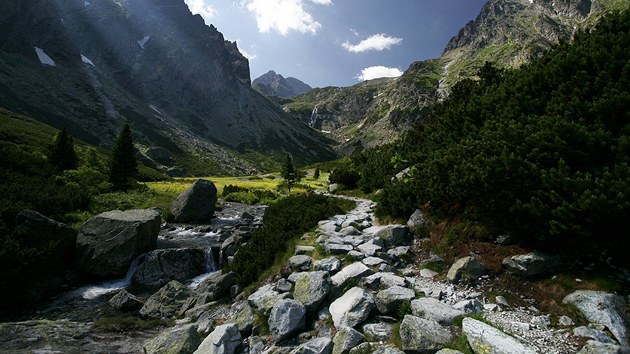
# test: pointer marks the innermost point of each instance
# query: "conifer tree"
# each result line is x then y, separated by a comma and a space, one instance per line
316, 173
288, 171
62, 155
124, 167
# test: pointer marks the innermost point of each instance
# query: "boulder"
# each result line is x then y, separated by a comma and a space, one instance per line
424, 336
315, 346
108, 242
167, 302
379, 332
484, 338
311, 289
304, 250
428, 273
416, 219
469, 306
223, 340
300, 262
383, 281
352, 308
603, 308
125, 301
390, 300
346, 339
595, 347
161, 266
334, 187
215, 286
265, 298
593, 333
363, 348
531, 264
372, 261
467, 268
178, 340
354, 271
448, 351
230, 246
330, 264
337, 248
244, 320
392, 235
284, 286
195, 204
286, 319
434, 309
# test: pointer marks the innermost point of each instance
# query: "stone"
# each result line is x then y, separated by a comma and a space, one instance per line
336, 248
161, 266
369, 249
224, 339
400, 252
388, 301
284, 286
363, 348
448, 351
304, 250
265, 298
565, 321
416, 219
244, 320
531, 264
287, 318
108, 242
354, 271
355, 255
469, 306
330, 264
383, 281
167, 301
230, 246
595, 347
392, 235
421, 335
311, 289
484, 338
125, 301
593, 333
334, 187
350, 231
427, 273
178, 340
387, 350
315, 346
300, 262
351, 309
215, 286
372, 261
467, 268
379, 332
603, 308
434, 309
500, 300
346, 339
196, 204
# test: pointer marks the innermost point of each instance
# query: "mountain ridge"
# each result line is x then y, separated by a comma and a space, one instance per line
273, 84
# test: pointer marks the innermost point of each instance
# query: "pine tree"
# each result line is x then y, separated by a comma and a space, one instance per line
62, 155
288, 171
316, 173
124, 167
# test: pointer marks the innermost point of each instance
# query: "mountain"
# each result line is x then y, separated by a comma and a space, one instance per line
506, 32
90, 66
272, 84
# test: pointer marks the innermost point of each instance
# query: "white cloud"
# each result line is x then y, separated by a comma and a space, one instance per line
377, 42
283, 16
375, 72
322, 2
202, 8
247, 55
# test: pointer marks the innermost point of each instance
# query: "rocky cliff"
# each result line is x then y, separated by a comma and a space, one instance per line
92, 65
272, 84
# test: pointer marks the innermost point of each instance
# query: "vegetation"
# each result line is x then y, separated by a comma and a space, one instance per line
288, 218
62, 154
124, 167
541, 152
289, 173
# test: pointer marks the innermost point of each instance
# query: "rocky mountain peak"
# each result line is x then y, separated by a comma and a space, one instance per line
273, 84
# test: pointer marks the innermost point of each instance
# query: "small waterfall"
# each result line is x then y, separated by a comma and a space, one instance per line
313, 120
212, 265
93, 291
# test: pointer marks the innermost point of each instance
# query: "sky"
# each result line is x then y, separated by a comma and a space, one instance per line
337, 42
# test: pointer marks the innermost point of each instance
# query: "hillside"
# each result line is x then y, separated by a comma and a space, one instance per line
272, 84
91, 66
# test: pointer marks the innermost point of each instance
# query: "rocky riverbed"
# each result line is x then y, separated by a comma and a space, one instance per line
366, 294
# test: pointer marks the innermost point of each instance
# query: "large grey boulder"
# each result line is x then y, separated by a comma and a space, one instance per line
223, 340
300, 262
352, 308
416, 219
161, 266
125, 301
286, 319
468, 269
484, 338
108, 242
244, 320
424, 336
265, 298
379, 332
390, 300
531, 264
195, 204
166, 302
593, 333
354, 271
383, 281
330, 265
434, 309
215, 286
603, 308
392, 235
178, 340
311, 289
469, 306
315, 346
346, 339
595, 347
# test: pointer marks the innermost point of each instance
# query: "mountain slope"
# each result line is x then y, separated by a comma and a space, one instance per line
153, 64
272, 84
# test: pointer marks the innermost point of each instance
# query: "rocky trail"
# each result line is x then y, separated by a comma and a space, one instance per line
368, 293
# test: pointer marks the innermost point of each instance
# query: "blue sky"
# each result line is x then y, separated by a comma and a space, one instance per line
337, 42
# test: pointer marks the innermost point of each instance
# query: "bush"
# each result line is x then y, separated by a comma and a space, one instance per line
346, 176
